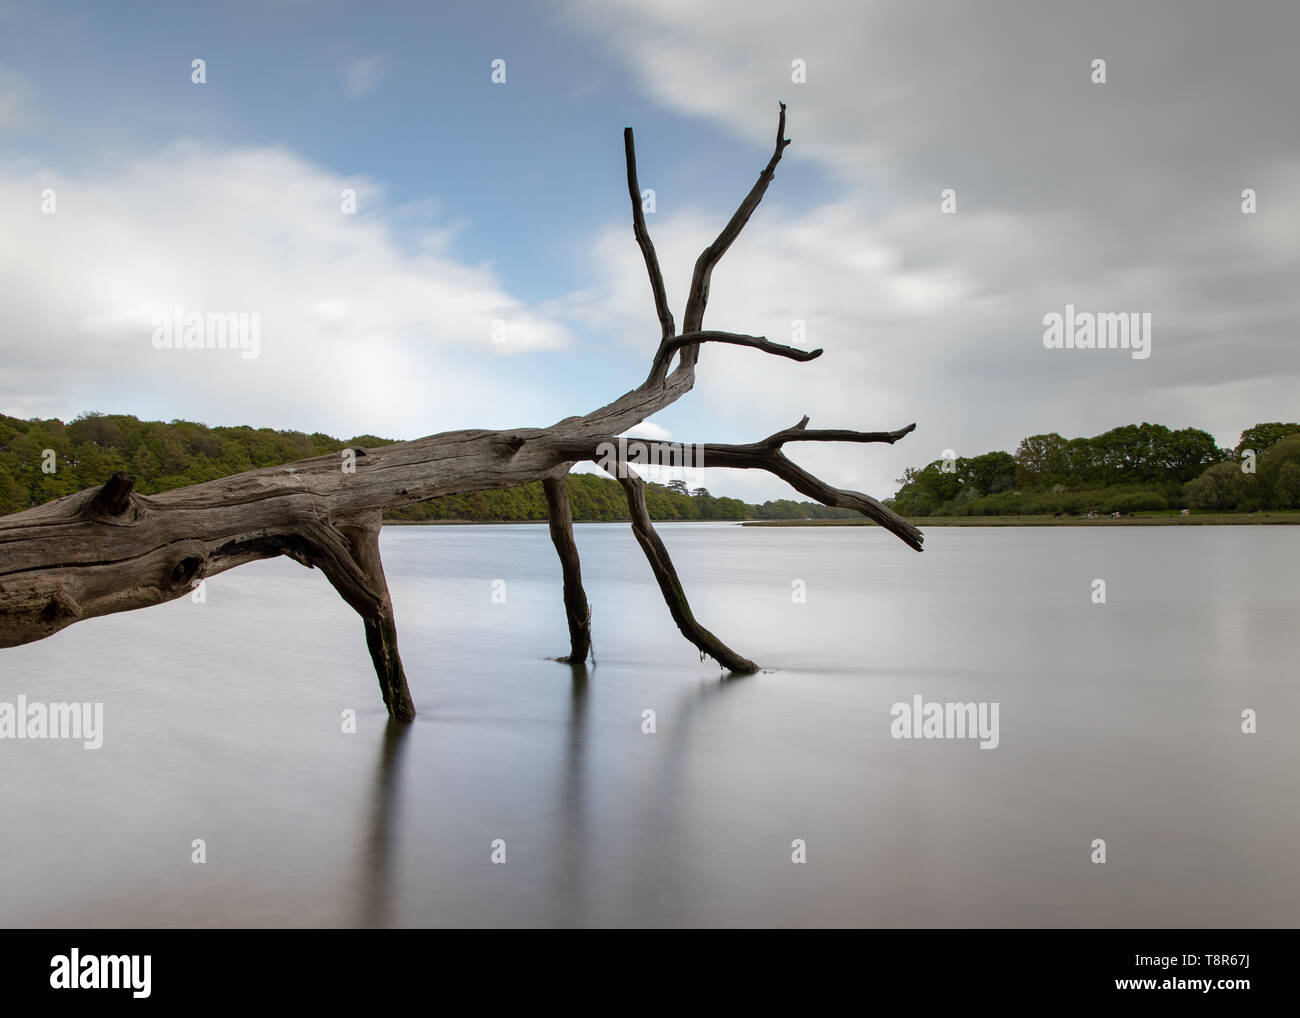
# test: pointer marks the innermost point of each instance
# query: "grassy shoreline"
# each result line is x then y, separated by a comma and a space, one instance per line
1276, 517
540, 523
1204, 519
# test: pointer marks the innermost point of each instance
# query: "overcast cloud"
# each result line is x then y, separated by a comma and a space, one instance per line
1123, 196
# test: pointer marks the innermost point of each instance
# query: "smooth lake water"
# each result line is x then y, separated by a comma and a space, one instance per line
1118, 721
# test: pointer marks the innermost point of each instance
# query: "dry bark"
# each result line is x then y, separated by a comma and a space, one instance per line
110, 549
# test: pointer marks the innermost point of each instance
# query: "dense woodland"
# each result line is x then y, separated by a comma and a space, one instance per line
1135, 468
161, 456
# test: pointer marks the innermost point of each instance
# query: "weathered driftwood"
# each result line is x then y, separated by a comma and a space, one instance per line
109, 549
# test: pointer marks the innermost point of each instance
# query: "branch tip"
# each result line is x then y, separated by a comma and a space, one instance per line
666, 326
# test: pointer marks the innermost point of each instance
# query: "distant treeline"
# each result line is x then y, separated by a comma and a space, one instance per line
42, 460
1135, 468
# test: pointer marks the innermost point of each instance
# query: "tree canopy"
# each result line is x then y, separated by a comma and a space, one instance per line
1133, 468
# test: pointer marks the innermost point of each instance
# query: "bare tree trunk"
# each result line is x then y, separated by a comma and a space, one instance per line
109, 549
575, 598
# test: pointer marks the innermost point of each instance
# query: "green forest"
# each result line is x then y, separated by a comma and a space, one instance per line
1132, 469
42, 460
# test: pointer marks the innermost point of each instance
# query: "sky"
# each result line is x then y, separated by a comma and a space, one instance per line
958, 173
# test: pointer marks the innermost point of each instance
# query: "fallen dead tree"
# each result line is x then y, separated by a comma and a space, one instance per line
110, 549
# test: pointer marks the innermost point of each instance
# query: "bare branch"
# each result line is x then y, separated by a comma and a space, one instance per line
670, 346
669, 584
767, 455
841, 498
644, 241
698, 297
800, 433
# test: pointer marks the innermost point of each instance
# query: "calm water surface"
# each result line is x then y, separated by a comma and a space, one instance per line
1119, 721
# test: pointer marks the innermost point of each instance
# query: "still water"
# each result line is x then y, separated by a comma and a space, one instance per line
1118, 721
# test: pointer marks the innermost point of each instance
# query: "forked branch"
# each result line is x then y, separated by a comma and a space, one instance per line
768, 455
698, 298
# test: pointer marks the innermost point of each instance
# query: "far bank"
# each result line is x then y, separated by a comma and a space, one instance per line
1282, 517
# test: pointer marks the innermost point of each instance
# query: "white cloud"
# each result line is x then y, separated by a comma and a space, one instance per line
358, 334
650, 431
